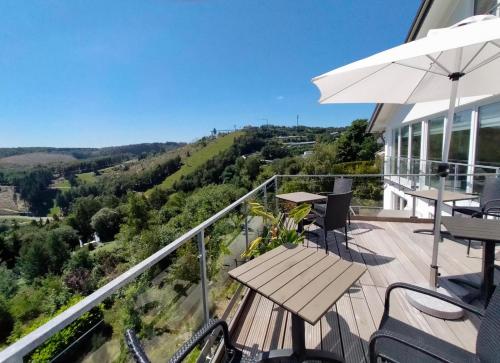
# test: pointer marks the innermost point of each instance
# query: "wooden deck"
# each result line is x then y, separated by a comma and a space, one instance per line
391, 252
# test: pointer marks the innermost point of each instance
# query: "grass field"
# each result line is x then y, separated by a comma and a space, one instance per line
86, 177
199, 157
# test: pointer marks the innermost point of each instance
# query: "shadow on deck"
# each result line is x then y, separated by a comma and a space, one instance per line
392, 253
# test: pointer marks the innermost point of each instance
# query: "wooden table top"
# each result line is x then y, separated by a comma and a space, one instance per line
305, 281
448, 196
473, 228
302, 197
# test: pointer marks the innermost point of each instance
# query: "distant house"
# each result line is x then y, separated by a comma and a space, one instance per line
414, 133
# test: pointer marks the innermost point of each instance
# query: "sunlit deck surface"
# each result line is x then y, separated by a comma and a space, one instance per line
391, 252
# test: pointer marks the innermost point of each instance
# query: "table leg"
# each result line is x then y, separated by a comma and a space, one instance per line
488, 271
433, 230
299, 353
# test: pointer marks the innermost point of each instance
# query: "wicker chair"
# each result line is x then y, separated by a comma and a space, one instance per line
396, 341
340, 186
232, 355
334, 216
489, 203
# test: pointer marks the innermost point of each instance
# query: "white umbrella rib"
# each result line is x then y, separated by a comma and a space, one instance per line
464, 69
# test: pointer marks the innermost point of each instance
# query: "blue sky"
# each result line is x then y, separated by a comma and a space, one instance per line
97, 73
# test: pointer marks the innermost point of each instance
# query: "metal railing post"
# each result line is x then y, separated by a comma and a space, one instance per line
276, 192
246, 227
203, 275
265, 196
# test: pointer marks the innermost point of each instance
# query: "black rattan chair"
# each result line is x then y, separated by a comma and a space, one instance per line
334, 216
489, 204
396, 341
232, 355
340, 186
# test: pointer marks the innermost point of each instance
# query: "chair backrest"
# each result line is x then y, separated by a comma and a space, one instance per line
487, 344
337, 208
491, 191
342, 185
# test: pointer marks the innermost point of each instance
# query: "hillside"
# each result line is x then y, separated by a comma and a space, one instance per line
198, 157
36, 158
32, 156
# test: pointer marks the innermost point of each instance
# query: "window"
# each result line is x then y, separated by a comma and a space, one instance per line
416, 138
435, 148
485, 7
460, 136
405, 137
394, 153
488, 136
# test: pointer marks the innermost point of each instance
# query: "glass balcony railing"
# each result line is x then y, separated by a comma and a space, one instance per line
169, 295
463, 177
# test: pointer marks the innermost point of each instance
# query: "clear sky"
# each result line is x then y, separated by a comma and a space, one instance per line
97, 73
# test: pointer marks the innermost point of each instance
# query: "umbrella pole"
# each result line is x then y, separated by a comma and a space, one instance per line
443, 173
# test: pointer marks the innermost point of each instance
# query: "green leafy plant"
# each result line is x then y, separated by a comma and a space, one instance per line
278, 230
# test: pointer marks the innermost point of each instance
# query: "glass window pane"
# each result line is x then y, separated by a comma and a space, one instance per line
435, 148
484, 6
416, 137
405, 134
460, 136
487, 150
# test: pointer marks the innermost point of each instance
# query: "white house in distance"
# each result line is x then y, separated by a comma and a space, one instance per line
413, 134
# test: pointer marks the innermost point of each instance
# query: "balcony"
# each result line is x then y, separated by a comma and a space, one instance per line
167, 310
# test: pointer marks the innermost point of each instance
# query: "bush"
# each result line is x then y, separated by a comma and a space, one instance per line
6, 320
106, 222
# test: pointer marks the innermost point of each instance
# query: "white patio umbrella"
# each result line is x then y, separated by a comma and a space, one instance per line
449, 63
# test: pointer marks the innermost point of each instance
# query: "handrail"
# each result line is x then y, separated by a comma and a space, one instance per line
16, 351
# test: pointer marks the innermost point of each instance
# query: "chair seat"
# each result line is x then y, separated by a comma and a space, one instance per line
401, 353
320, 208
469, 210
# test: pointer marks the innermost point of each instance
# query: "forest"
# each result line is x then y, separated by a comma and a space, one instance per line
44, 269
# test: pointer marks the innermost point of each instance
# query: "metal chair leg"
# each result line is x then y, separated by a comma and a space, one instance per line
346, 239
468, 248
325, 232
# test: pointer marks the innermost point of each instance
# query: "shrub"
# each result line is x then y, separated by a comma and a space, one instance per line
106, 222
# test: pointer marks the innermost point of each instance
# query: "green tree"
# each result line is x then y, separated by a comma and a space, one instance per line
6, 320
356, 144
81, 214
8, 282
106, 222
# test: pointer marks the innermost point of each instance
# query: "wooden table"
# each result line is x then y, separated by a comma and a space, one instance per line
302, 197
487, 231
432, 194
304, 281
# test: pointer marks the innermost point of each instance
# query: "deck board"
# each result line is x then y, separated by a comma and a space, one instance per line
391, 253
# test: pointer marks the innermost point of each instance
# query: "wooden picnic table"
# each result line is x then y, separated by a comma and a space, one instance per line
306, 282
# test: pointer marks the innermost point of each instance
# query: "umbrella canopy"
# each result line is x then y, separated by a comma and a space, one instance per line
460, 61
419, 71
